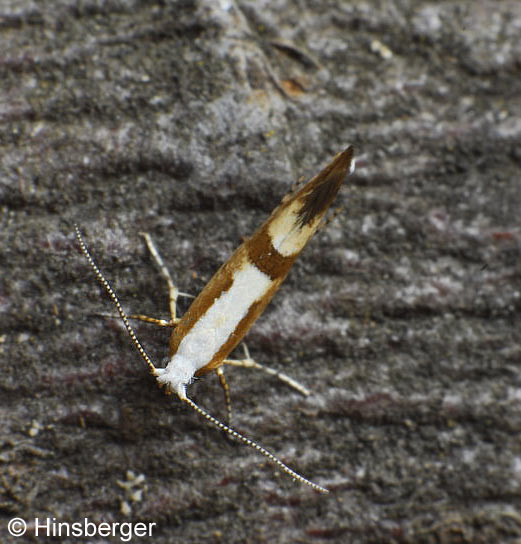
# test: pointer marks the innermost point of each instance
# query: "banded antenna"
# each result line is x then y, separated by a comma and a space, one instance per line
231, 432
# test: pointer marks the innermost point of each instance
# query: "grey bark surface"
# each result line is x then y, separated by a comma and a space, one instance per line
190, 120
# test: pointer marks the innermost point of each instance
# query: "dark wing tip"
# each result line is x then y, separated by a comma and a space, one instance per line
344, 159
322, 189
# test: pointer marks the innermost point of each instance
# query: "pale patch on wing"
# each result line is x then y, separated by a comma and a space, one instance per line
216, 325
287, 237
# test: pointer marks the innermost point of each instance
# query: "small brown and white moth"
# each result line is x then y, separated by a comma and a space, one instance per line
237, 294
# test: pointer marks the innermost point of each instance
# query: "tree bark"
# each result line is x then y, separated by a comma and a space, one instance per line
189, 120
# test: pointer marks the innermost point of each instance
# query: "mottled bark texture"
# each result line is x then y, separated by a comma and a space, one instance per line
189, 120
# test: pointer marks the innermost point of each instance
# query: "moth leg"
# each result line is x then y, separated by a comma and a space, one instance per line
227, 398
141, 317
296, 184
173, 292
248, 362
327, 220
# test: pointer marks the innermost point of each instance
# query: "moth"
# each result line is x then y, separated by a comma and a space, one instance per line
221, 315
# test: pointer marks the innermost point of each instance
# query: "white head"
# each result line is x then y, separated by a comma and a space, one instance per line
176, 376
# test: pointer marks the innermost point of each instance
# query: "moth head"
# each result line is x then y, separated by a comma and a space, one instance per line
175, 382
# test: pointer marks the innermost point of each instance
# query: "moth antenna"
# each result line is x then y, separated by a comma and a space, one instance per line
254, 445
105, 284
